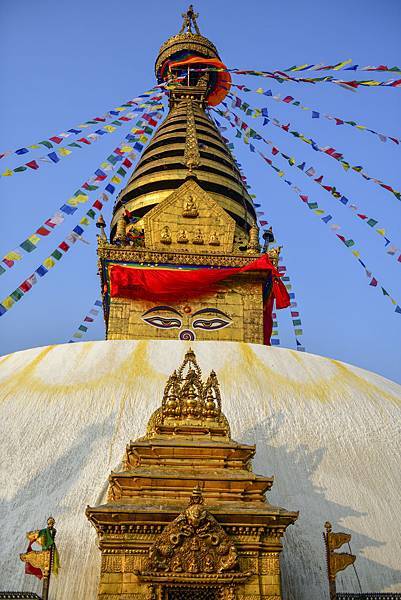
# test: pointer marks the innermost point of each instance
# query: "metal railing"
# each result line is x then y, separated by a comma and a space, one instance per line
19, 596
368, 596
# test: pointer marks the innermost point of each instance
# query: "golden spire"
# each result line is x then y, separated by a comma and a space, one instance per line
190, 19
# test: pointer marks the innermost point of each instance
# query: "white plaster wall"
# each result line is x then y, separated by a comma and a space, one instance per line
329, 432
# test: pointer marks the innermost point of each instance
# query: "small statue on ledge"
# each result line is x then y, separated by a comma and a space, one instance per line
198, 239
214, 240
190, 208
182, 237
165, 236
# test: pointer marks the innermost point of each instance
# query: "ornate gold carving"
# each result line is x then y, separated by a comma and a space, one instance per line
192, 42
198, 238
112, 563
165, 236
190, 208
191, 154
253, 243
39, 559
193, 543
214, 240
182, 237
190, 20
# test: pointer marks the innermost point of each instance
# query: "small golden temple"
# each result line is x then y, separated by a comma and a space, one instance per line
187, 518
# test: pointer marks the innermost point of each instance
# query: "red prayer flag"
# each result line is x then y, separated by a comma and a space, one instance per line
42, 231
285, 127
25, 286
32, 165
274, 151
56, 139
288, 99
64, 246
303, 198
127, 163
97, 204
84, 141
87, 319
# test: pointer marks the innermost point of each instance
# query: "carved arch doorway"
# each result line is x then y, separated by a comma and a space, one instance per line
181, 592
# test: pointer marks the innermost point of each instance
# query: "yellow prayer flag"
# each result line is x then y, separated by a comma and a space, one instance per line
120, 108
126, 148
34, 239
318, 211
341, 65
8, 302
259, 91
81, 198
143, 139
345, 166
393, 301
64, 152
356, 253
381, 231
280, 173
7, 173
109, 128
299, 67
115, 179
34, 146
84, 221
49, 263
13, 255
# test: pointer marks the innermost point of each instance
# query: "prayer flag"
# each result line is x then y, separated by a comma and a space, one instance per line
27, 245
8, 302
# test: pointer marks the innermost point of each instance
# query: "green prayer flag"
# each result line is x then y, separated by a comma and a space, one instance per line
56, 254
91, 213
372, 222
20, 169
47, 144
312, 205
298, 331
122, 172
82, 328
16, 295
27, 246
296, 322
74, 145
117, 123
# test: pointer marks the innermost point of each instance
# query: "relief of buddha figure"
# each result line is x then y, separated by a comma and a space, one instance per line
182, 237
198, 238
165, 236
190, 208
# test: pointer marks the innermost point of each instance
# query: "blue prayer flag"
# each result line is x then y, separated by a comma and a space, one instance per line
397, 309
110, 188
2, 310
275, 342
78, 230
74, 130
68, 210
21, 151
138, 146
98, 303
53, 156
315, 114
41, 271
327, 219
344, 200
265, 112
267, 93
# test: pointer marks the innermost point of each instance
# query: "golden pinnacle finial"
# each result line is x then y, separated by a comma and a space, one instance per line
190, 20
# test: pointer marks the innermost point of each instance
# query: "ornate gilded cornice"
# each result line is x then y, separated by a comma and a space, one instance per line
191, 153
193, 42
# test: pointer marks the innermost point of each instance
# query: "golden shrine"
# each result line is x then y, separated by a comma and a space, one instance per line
187, 518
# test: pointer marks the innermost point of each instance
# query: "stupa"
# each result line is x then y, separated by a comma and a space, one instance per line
145, 462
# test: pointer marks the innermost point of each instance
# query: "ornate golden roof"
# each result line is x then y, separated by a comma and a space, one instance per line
187, 144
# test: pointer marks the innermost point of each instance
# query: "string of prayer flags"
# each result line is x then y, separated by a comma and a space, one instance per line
345, 65
294, 309
55, 140
59, 252
247, 133
274, 337
86, 322
328, 150
326, 219
315, 114
281, 77
55, 156
123, 153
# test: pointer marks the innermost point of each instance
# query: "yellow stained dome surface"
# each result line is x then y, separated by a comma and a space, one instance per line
327, 431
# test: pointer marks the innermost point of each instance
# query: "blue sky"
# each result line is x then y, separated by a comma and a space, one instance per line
65, 62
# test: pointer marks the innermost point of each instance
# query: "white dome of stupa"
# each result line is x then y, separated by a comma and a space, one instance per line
328, 432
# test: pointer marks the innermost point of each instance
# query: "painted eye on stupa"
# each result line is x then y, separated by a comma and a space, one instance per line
210, 324
167, 321
162, 322
212, 319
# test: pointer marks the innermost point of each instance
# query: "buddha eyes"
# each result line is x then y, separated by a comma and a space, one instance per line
164, 323
210, 324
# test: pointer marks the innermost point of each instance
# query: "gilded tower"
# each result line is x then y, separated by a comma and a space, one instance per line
186, 518
186, 208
